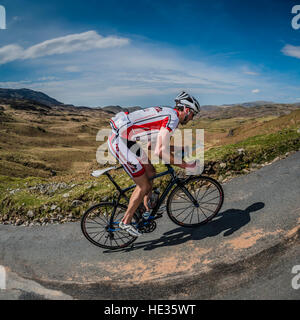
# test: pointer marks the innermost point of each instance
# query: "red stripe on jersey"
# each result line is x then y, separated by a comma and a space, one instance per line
155, 125
113, 123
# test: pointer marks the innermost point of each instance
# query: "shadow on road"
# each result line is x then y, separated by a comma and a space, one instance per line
229, 221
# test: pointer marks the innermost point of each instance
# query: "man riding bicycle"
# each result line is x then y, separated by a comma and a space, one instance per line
155, 123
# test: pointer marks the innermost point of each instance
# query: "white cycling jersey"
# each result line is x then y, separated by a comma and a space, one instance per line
145, 123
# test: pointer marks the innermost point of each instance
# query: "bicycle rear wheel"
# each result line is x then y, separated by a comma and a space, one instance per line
185, 212
100, 225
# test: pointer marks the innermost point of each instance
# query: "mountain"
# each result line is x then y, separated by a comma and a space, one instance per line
29, 95
111, 109
27, 99
116, 109
209, 108
242, 104
249, 104
228, 112
132, 109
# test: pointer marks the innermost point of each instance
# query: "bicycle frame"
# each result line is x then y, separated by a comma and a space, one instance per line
174, 180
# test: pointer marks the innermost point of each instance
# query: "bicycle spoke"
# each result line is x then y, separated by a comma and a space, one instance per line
182, 208
214, 203
106, 214
100, 236
211, 200
182, 197
202, 182
203, 212
97, 232
198, 215
207, 209
183, 211
115, 241
192, 215
215, 190
175, 201
95, 220
95, 224
187, 215
92, 227
121, 238
104, 241
206, 192
125, 235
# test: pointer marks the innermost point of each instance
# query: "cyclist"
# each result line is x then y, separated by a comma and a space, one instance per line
155, 123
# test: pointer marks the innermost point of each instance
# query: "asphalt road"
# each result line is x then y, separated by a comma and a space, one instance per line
258, 222
277, 282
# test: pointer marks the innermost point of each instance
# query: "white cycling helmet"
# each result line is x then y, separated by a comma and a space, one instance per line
185, 100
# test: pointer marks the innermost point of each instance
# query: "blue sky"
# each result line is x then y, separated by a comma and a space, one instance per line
142, 52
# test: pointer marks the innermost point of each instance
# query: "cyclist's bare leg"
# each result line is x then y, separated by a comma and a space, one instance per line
143, 187
150, 172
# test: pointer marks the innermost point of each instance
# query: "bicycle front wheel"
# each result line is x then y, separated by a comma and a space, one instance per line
195, 202
100, 225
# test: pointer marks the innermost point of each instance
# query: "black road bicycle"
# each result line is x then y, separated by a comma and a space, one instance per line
191, 202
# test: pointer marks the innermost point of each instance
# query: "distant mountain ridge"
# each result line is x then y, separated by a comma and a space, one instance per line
27, 94
249, 104
116, 109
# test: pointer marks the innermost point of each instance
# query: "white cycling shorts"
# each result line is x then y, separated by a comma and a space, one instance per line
129, 154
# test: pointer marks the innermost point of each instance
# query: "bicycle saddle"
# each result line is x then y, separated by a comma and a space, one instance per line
98, 173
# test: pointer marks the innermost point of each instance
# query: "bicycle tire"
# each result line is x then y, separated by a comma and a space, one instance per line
110, 232
178, 193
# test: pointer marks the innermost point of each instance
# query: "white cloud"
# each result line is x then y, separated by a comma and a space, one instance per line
72, 43
139, 74
15, 84
251, 73
291, 51
47, 78
10, 53
72, 69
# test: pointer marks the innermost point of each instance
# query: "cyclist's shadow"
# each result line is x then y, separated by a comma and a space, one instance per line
229, 221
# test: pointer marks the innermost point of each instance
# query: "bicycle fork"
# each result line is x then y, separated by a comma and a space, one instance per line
190, 196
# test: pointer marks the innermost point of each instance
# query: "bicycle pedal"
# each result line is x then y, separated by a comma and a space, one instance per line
159, 215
